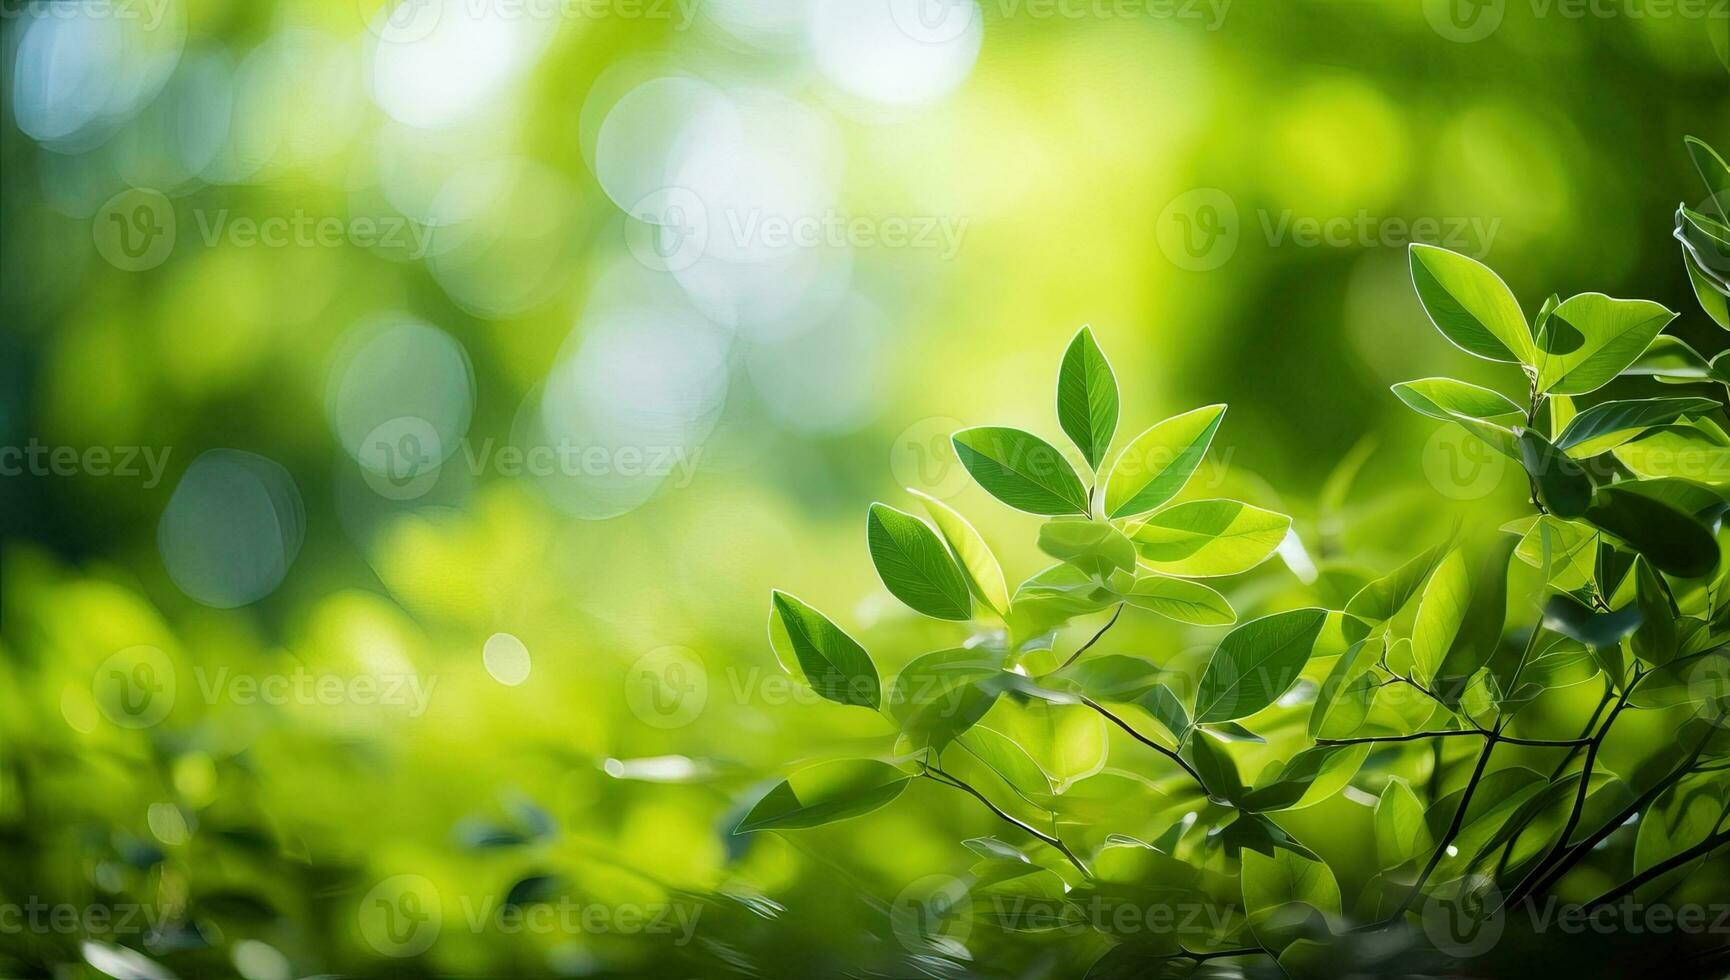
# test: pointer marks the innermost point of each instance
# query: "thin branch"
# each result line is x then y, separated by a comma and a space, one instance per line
1150, 743
1557, 849
1455, 732
947, 780
1585, 733
1453, 831
1572, 855
1083, 648
1223, 953
1661, 868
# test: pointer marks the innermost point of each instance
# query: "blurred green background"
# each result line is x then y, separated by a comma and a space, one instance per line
303, 661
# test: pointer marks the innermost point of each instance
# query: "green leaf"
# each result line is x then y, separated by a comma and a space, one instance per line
835, 666
1441, 611
1696, 452
1383, 598
1592, 338
1657, 639
1022, 470
1401, 834
1563, 485
1152, 469
1288, 785
1214, 765
1714, 171
1609, 424
1575, 620
984, 574
1673, 542
1271, 884
1011, 763
1443, 398
1207, 538
825, 793
914, 565
1087, 397
1256, 663
1095, 546
1470, 305
937, 696
1566, 551
1185, 602
1669, 359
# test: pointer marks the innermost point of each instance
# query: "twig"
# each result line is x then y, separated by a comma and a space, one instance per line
946, 779
1661, 868
1083, 648
1150, 743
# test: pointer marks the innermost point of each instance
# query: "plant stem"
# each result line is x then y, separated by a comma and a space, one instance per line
1525, 887
1083, 648
1662, 867
1592, 722
1454, 827
947, 780
1222, 953
1150, 743
1453, 732
1572, 855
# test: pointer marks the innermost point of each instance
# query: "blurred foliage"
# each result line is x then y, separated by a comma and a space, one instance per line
268, 830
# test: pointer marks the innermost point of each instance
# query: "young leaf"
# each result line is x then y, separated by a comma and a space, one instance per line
1400, 831
1441, 611
1443, 398
1185, 602
984, 574
1609, 424
1152, 469
1207, 538
1288, 786
835, 666
1673, 542
1255, 664
1095, 546
825, 793
914, 565
1592, 338
1714, 171
1087, 397
1279, 888
937, 696
1022, 470
1383, 598
1563, 485
1470, 305
1656, 640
